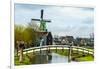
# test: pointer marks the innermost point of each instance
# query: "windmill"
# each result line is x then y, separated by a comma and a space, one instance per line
43, 33
42, 22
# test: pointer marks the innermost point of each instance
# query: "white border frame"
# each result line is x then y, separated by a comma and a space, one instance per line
44, 2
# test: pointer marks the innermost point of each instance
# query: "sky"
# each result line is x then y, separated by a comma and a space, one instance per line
73, 21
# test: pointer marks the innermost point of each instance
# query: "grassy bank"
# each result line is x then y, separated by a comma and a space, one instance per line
27, 60
76, 56
85, 58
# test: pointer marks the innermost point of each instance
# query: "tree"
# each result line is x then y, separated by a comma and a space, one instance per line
18, 30
26, 33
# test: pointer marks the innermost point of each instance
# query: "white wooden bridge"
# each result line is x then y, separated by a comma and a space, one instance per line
51, 47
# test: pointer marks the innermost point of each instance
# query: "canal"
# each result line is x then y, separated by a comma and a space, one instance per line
52, 57
56, 58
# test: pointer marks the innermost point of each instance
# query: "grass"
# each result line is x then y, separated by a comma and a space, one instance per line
27, 60
85, 58
79, 57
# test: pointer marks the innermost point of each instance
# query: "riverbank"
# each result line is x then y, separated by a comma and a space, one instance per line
76, 56
27, 59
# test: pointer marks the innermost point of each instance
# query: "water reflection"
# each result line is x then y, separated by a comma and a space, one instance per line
45, 58
56, 58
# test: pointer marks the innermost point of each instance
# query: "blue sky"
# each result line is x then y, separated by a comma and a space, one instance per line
78, 22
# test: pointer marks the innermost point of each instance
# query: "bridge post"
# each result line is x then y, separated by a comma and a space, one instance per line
93, 55
40, 50
77, 49
47, 51
88, 52
62, 49
49, 48
69, 53
26, 53
56, 49
72, 44
33, 51
83, 51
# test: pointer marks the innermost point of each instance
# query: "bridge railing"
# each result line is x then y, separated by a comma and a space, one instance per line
83, 49
48, 47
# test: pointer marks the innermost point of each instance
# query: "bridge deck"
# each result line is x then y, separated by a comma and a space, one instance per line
51, 47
